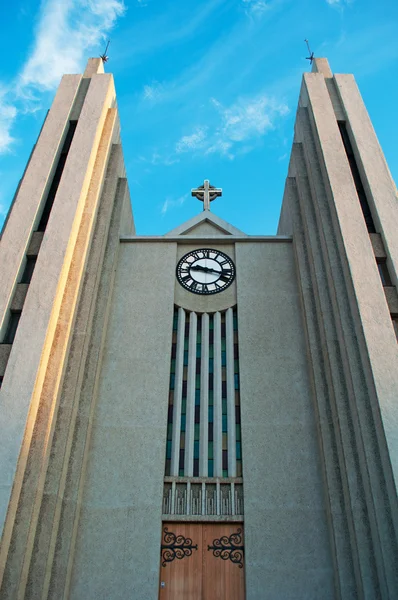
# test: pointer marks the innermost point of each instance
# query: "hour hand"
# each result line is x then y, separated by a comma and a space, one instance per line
205, 269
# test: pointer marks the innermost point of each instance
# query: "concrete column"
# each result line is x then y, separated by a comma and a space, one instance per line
229, 322
175, 447
34, 368
376, 178
190, 418
21, 219
217, 398
204, 399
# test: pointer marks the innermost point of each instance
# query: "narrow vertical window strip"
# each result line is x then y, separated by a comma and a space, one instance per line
231, 393
177, 398
367, 213
204, 398
191, 387
217, 395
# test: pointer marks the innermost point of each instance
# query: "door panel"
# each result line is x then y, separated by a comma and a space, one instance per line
223, 572
202, 561
181, 562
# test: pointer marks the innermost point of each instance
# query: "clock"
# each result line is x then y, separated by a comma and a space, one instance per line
205, 271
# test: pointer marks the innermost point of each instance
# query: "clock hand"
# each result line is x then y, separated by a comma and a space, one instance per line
205, 269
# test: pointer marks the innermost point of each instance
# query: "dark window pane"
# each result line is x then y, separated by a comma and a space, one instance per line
224, 389
238, 451
167, 469
12, 327
210, 450
211, 381
195, 450
210, 469
182, 460
384, 273
211, 429
225, 459
170, 415
367, 213
168, 449
170, 431
224, 423
29, 268
197, 414
237, 414
196, 467
210, 414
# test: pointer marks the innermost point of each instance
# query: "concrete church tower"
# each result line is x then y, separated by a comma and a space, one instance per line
205, 414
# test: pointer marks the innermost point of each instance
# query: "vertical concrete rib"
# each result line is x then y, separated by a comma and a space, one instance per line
204, 399
345, 585
25, 209
229, 323
175, 448
191, 380
217, 395
366, 343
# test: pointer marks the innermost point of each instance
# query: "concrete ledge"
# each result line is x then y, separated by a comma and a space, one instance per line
5, 350
18, 300
378, 246
392, 299
187, 239
35, 243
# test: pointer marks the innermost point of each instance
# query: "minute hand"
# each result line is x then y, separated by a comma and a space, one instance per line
205, 269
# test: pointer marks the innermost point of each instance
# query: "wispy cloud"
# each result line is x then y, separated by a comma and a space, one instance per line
256, 7
65, 32
8, 114
192, 142
153, 93
171, 203
338, 3
248, 118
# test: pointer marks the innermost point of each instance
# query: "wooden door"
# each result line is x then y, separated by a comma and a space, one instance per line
202, 561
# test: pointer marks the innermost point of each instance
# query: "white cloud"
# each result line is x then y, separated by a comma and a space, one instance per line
248, 118
338, 3
153, 92
8, 114
255, 7
195, 141
173, 203
66, 32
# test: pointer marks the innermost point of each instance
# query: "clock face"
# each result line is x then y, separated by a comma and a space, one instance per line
205, 271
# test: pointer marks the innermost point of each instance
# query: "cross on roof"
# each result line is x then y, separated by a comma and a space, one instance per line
206, 193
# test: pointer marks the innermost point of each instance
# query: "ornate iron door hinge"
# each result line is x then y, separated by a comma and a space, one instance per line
175, 546
229, 548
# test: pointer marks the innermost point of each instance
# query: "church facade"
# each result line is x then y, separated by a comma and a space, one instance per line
206, 414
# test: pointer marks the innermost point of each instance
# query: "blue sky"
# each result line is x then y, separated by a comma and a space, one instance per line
206, 89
